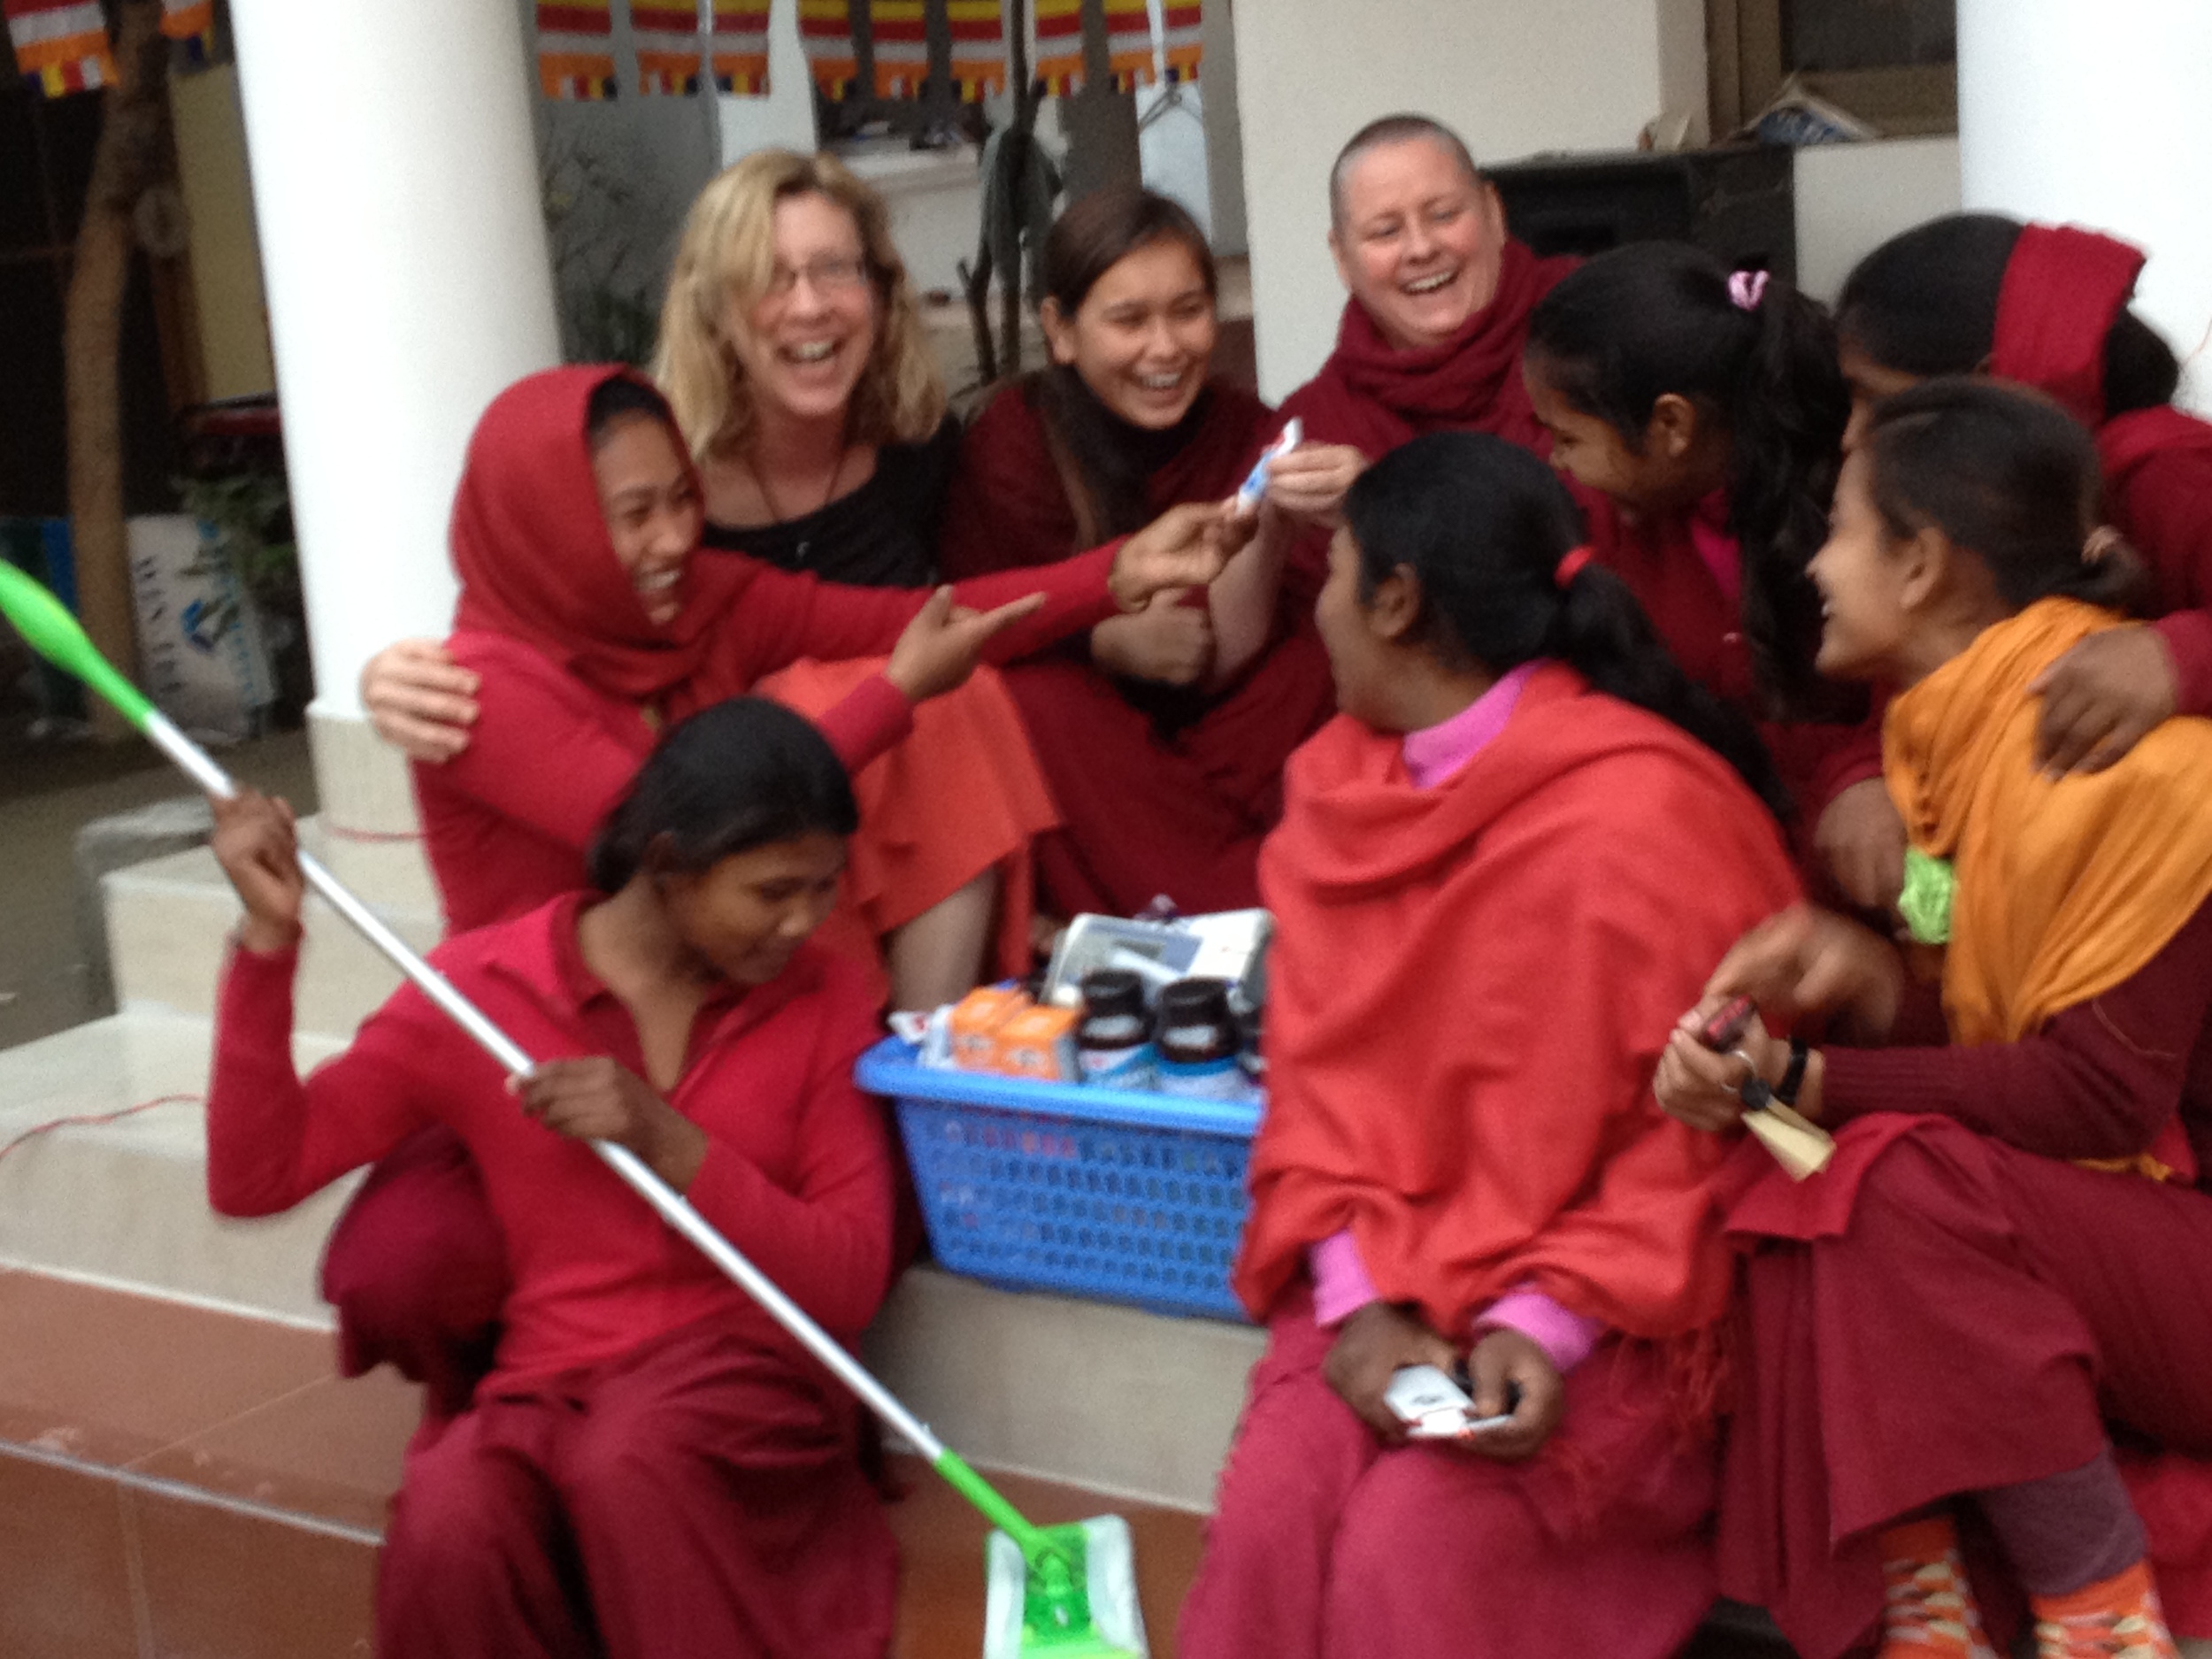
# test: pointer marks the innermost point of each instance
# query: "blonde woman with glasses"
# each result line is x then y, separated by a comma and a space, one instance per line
792, 353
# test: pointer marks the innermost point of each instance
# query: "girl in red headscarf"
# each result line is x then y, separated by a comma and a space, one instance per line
589, 622
1494, 868
1166, 772
2048, 305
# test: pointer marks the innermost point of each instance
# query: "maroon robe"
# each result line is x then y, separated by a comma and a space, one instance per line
1162, 791
1945, 1311
1374, 399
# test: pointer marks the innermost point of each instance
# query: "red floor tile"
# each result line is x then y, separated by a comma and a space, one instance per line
223, 1584
331, 1449
64, 1575
108, 1377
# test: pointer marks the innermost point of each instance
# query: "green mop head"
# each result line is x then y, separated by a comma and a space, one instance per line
48, 628
1071, 1594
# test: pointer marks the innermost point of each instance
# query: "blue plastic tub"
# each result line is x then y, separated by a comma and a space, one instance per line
1109, 1193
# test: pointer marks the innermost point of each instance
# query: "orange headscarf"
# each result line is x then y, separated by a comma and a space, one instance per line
2066, 888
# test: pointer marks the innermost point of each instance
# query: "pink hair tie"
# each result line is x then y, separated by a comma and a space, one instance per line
1570, 564
1746, 289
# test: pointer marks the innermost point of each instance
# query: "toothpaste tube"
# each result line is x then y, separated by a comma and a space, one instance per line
1247, 497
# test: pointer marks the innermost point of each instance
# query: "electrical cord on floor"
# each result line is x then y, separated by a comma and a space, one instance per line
89, 1119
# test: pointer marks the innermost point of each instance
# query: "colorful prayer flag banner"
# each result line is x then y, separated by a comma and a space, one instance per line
740, 49
61, 46
825, 32
1129, 45
576, 49
898, 34
191, 23
1186, 39
666, 35
977, 29
1058, 52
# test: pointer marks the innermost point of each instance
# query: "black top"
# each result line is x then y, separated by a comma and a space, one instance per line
884, 534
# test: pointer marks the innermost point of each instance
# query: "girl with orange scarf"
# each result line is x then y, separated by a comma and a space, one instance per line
2000, 1275
1498, 864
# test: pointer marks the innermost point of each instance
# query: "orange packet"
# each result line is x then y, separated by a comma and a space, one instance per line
1037, 1042
976, 1017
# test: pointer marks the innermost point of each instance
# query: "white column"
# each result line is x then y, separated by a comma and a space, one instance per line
404, 247
2096, 111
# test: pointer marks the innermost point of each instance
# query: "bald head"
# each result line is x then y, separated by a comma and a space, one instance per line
1396, 129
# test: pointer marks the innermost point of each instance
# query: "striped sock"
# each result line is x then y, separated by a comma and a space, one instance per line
2116, 1618
1928, 1607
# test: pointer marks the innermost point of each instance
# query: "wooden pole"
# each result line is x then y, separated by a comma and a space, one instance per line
132, 154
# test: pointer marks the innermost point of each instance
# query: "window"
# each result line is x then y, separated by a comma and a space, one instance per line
1892, 63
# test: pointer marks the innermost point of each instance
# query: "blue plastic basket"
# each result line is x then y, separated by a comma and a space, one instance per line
1102, 1193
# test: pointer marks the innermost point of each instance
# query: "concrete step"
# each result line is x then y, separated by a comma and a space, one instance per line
168, 919
1110, 1398
125, 1202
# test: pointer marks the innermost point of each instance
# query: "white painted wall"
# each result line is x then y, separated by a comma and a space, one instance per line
2094, 112
1851, 198
1514, 78
785, 118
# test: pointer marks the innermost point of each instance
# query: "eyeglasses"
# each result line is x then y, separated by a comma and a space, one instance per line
830, 274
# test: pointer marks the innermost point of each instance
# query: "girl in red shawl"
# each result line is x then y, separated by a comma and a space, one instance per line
2048, 305
653, 1469
2001, 1275
1166, 773
1705, 413
1494, 868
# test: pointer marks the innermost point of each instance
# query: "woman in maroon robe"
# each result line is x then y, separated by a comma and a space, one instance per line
1167, 772
1440, 294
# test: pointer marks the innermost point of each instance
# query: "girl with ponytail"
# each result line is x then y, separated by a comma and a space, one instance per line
1705, 411
2047, 305
1496, 866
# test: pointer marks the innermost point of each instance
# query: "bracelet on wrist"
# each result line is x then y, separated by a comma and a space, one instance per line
1793, 1074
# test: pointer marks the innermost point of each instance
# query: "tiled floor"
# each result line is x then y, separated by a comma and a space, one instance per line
194, 1485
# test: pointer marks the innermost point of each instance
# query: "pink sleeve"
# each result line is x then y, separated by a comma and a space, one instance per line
1340, 1285
1567, 1336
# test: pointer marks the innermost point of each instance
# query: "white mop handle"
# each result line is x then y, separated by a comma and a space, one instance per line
672, 1205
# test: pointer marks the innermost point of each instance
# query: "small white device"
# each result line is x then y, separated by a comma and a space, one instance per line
1247, 499
1229, 945
1434, 1407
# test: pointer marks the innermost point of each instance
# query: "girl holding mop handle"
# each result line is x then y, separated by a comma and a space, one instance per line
655, 1466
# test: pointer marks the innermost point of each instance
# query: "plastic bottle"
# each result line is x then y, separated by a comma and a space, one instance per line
1113, 1042
1198, 1042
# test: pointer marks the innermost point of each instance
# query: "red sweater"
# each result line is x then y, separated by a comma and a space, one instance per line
797, 1172
507, 822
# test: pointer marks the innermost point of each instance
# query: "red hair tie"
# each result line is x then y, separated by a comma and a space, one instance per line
1569, 566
